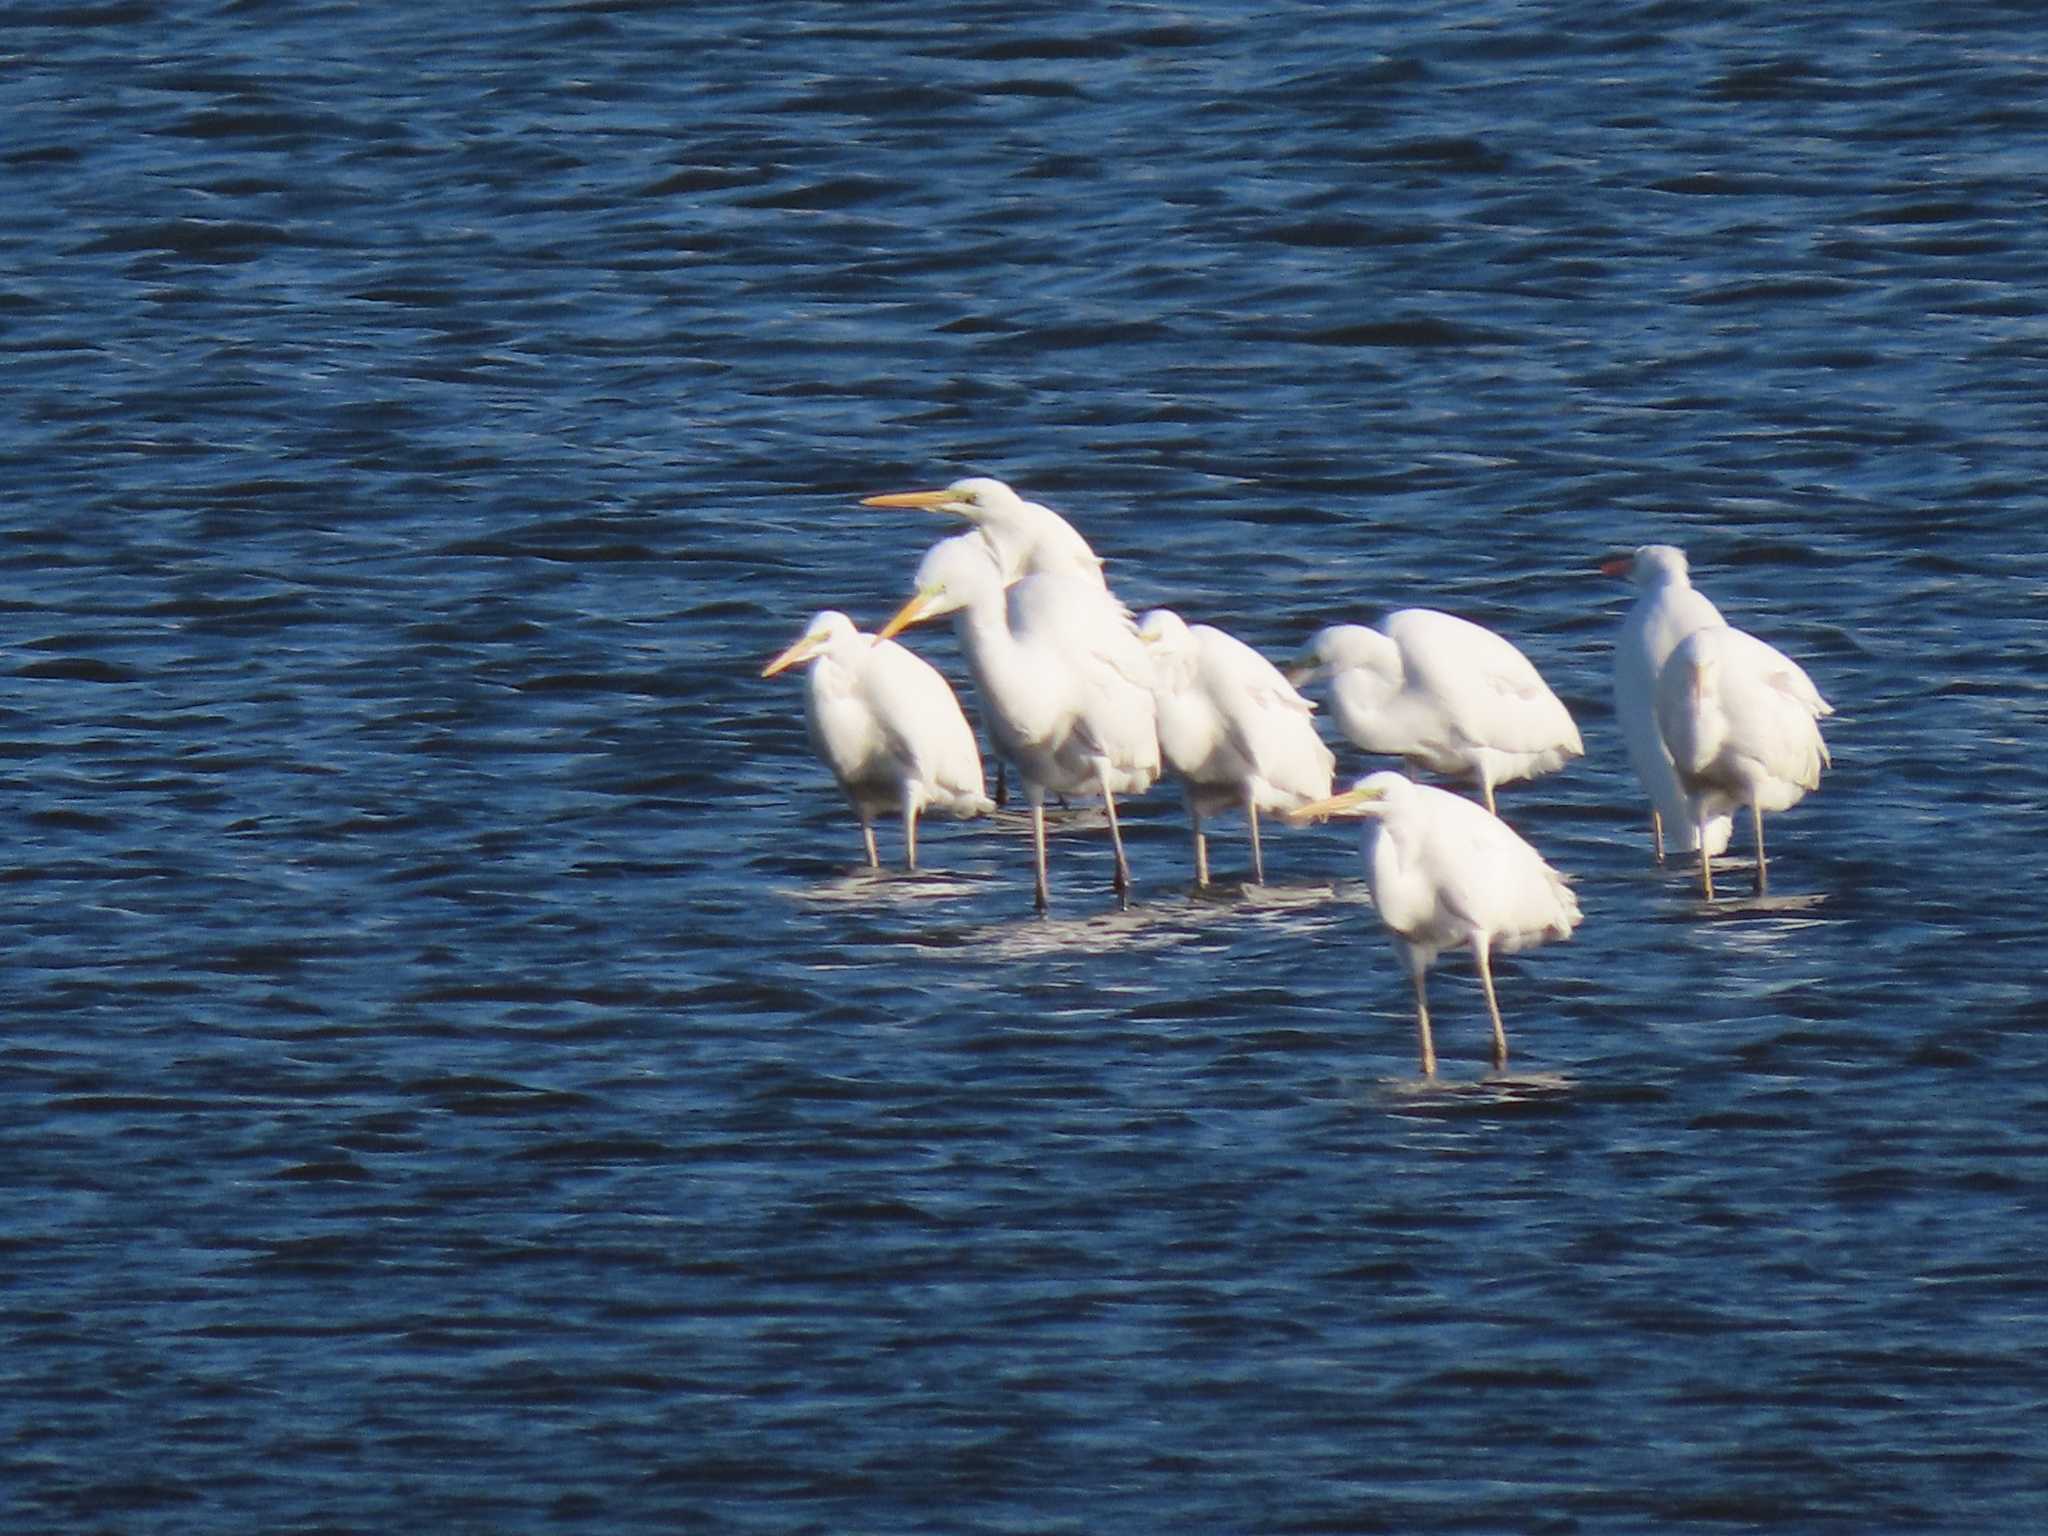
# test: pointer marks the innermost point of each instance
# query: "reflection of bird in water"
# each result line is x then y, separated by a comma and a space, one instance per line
1232, 728
1056, 698
1447, 695
1445, 872
1739, 719
1666, 611
888, 726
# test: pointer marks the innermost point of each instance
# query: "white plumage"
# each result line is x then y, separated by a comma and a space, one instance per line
1739, 719
1232, 728
1667, 609
1024, 536
1445, 694
888, 726
1057, 696
1444, 873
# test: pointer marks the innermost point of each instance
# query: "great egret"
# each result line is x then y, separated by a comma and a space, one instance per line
1666, 611
1739, 719
1024, 536
1057, 704
1447, 695
888, 726
1232, 728
1027, 538
1445, 872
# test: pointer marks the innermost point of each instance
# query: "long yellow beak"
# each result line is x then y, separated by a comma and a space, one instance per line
927, 501
805, 648
1353, 802
920, 607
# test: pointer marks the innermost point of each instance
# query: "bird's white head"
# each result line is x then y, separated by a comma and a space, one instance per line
954, 573
1023, 535
1341, 648
1650, 565
827, 628
1164, 631
977, 498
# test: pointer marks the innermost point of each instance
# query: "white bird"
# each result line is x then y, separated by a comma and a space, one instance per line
1446, 695
888, 726
1740, 721
1666, 611
1445, 872
1055, 700
1235, 731
1028, 538
1024, 536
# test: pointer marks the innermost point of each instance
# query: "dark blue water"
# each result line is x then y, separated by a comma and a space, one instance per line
456, 1074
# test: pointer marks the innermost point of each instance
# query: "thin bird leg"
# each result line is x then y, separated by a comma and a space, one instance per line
867, 838
1201, 842
1657, 832
1422, 1035
1116, 836
1037, 797
1486, 790
1251, 816
1706, 864
1482, 956
910, 830
1756, 817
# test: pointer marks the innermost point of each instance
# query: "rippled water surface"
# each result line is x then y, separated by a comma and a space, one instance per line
458, 1075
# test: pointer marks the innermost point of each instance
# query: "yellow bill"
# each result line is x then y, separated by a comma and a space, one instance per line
922, 605
1358, 801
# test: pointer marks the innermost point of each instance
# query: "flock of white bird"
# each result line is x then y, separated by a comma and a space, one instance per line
1086, 702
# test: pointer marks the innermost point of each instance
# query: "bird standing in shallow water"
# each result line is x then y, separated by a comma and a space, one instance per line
1444, 872
1740, 721
1445, 694
888, 726
1059, 707
1026, 538
1667, 609
1232, 728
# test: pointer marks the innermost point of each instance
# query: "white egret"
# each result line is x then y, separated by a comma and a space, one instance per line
1234, 730
1056, 703
1446, 695
1024, 536
1028, 538
1445, 872
1740, 721
888, 726
1666, 611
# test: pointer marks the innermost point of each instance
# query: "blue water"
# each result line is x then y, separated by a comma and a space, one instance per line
457, 1075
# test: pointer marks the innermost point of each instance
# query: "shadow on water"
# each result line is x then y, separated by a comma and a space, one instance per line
887, 887
1451, 1097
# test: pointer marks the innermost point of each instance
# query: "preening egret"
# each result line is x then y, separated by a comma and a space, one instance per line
1232, 728
1739, 719
1056, 702
1445, 694
1445, 872
888, 726
1666, 611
